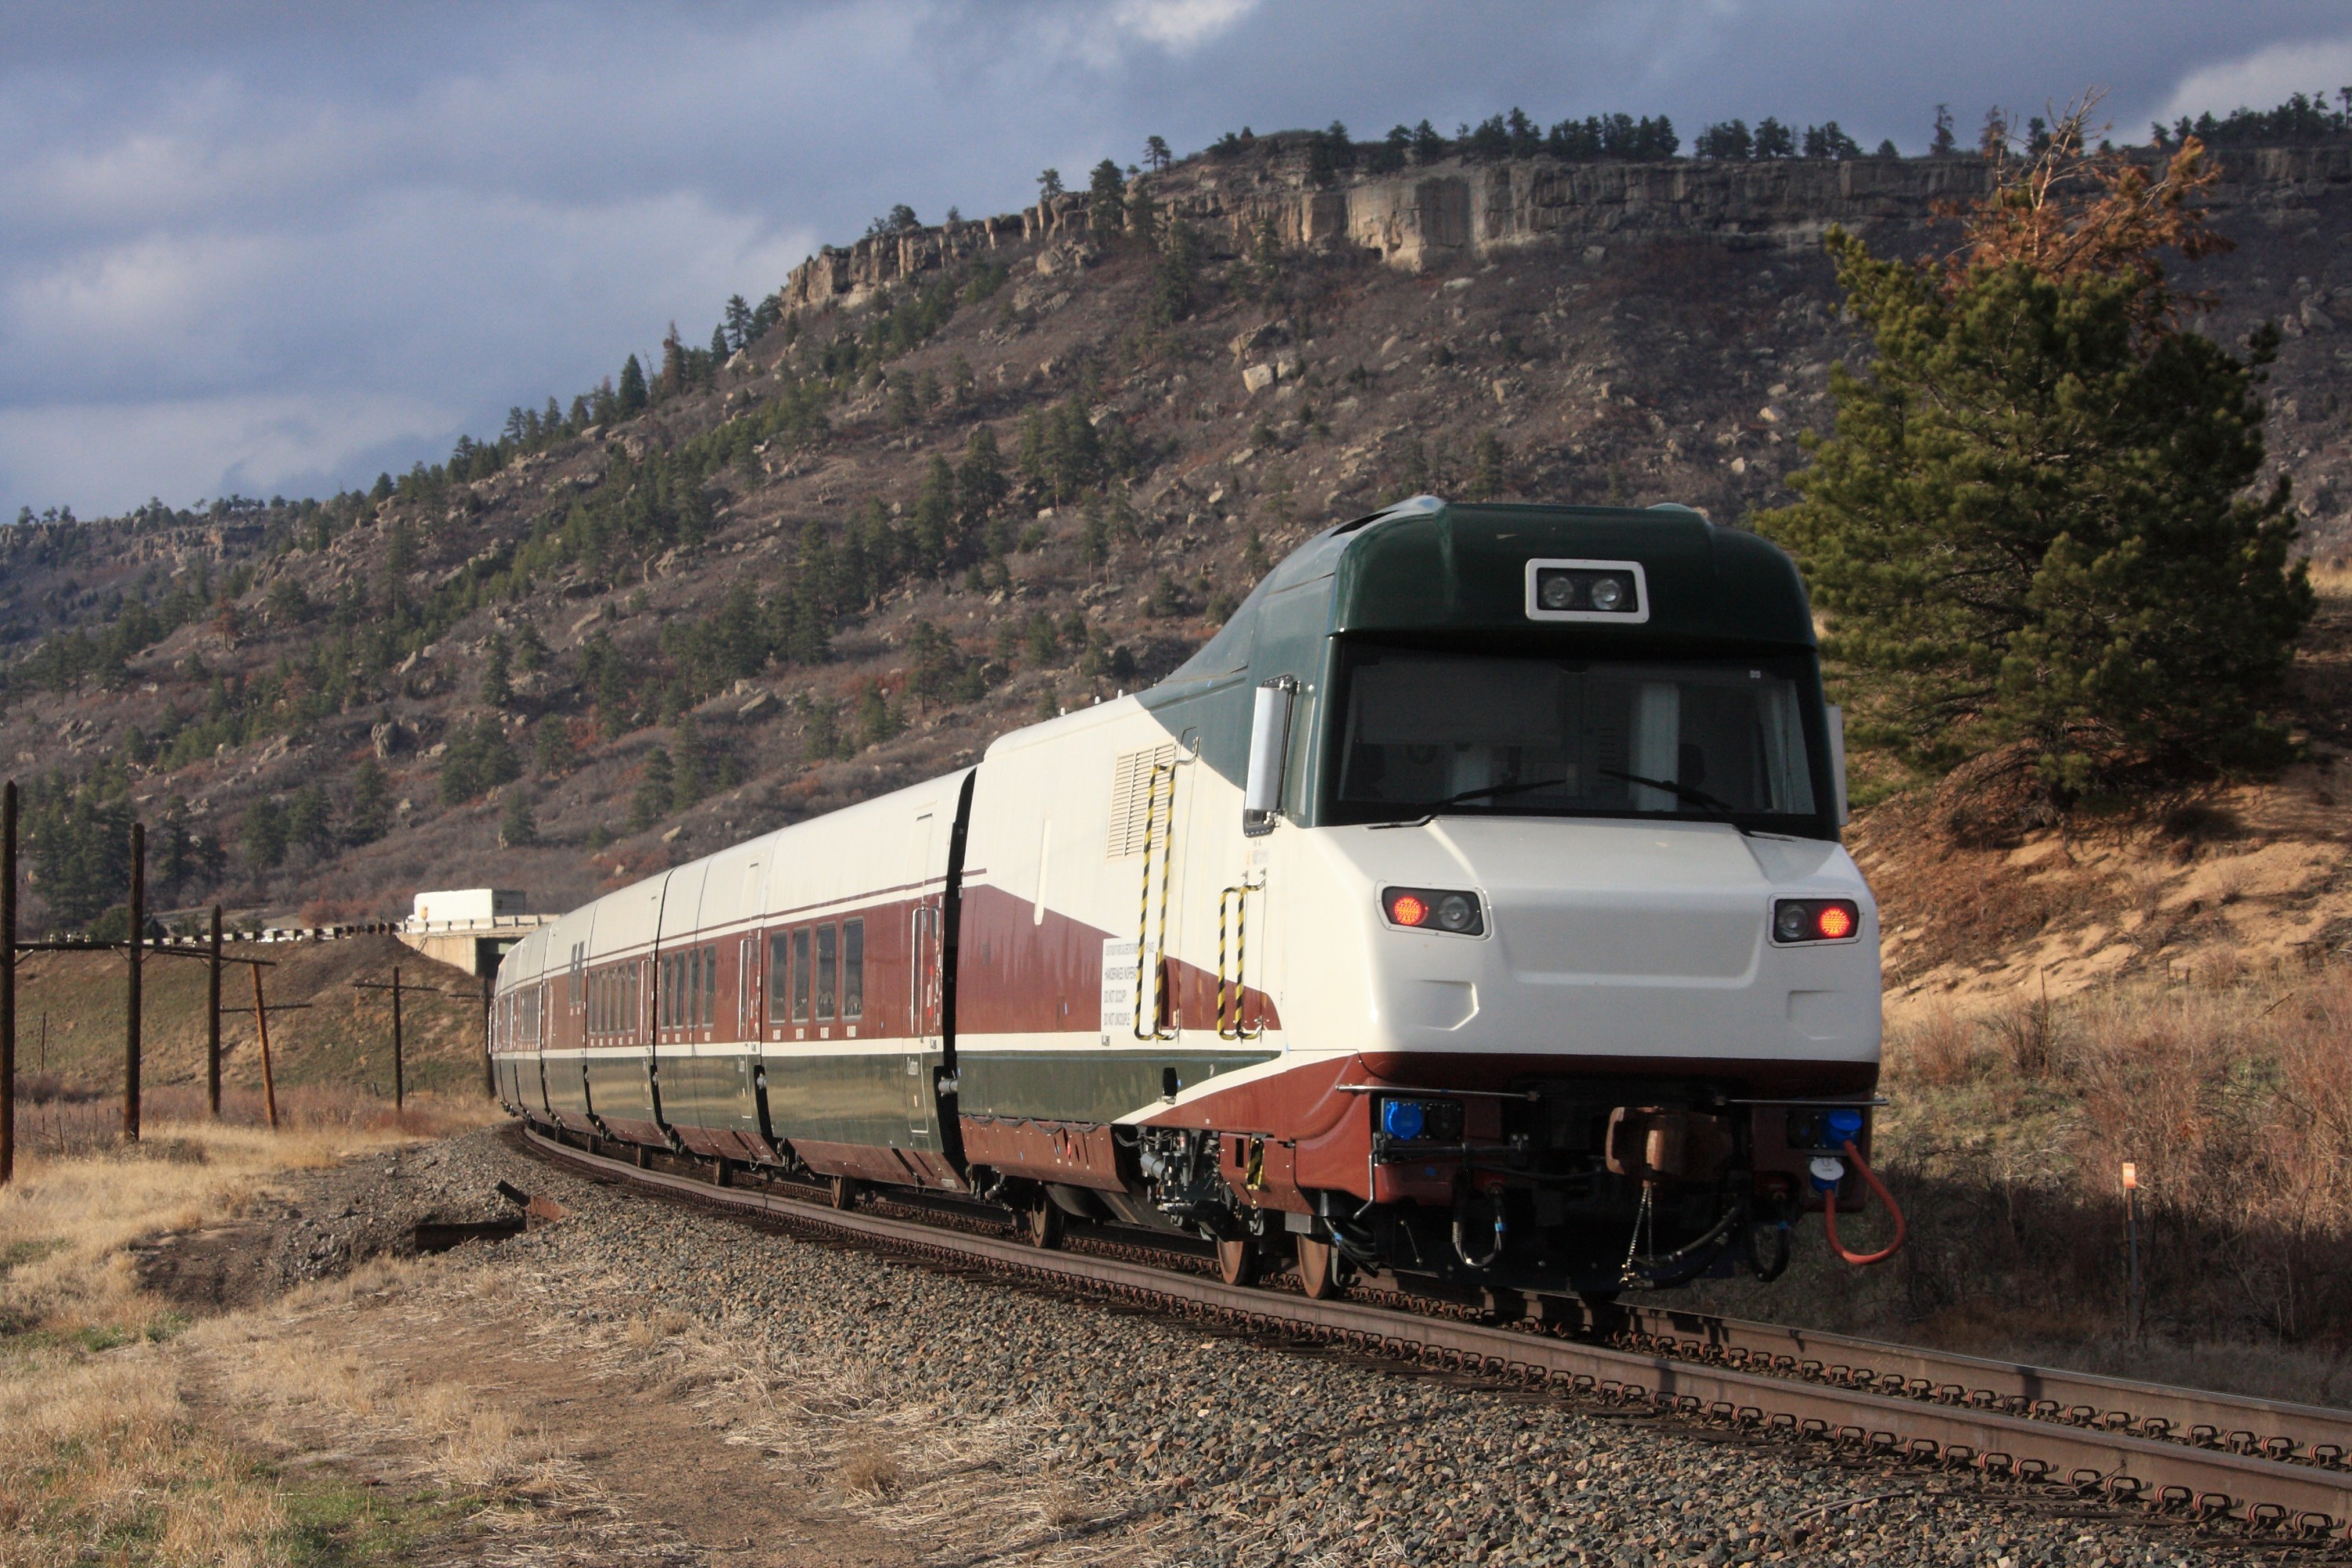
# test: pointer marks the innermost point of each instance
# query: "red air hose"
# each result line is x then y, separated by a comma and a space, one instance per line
1829, 1215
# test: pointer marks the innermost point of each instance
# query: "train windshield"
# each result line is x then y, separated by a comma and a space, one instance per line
1719, 739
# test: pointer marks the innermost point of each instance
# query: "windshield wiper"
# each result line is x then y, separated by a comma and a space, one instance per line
1681, 791
1481, 792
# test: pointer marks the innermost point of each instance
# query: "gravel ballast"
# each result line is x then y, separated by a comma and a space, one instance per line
981, 1419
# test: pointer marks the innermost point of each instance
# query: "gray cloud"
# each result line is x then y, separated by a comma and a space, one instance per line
271, 247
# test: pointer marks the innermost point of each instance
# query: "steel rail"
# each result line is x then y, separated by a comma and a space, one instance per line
2276, 1429
2208, 1482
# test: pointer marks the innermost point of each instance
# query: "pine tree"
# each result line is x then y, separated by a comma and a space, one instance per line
262, 834
498, 689
2033, 523
981, 486
1944, 143
631, 396
370, 804
518, 829
310, 821
650, 804
1049, 185
1176, 275
551, 748
1156, 156
739, 322
718, 347
1106, 204
690, 775
1774, 140
1428, 146
1489, 458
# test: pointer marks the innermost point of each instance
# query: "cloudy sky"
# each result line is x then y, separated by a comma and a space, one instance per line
276, 246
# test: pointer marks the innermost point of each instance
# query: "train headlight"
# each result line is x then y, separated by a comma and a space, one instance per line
1557, 590
1815, 920
1608, 593
1455, 912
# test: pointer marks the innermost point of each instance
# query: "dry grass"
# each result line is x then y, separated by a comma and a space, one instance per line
71, 1217
100, 1457
2230, 1092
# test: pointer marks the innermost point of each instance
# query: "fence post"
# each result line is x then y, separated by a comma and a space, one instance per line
7, 981
133, 999
212, 1022
399, 1085
261, 1020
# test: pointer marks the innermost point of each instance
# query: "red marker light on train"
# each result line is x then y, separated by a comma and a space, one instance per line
1436, 908
1798, 920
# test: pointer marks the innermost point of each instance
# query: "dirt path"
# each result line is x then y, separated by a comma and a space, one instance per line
609, 1458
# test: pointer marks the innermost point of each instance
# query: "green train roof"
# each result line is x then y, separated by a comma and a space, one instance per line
1432, 566
1427, 567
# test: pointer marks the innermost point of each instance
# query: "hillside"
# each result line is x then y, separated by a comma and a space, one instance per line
322, 1031
788, 582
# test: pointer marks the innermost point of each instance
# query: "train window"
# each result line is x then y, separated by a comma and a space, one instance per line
1423, 730
825, 955
780, 969
853, 968
709, 986
800, 975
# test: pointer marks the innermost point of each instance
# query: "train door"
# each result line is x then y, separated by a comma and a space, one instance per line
923, 1042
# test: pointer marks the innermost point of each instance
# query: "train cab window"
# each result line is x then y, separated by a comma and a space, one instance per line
800, 975
826, 938
853, 968
1722, 739
780, 969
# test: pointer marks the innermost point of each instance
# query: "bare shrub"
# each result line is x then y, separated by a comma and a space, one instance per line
1940, 1049
869, 1471
2027, 1034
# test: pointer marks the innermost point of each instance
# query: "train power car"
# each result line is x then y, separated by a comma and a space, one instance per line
1469, 912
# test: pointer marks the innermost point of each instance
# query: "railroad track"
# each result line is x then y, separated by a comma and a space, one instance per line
2272, 1465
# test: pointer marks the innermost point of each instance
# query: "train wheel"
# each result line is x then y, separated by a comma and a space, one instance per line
1318, 1269
1043, 1224
844, 1191
1237, 1261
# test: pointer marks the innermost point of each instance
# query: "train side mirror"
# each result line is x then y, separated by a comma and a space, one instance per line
1269, 751
1837, 763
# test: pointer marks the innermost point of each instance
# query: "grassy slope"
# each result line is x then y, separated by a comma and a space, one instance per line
342, 1040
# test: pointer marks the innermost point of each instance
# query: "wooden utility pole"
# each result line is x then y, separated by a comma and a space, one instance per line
261, 1022
8, 981
132, 999
212, 1022
399, 1080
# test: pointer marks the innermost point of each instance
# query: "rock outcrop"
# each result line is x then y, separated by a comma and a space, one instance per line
1454, 211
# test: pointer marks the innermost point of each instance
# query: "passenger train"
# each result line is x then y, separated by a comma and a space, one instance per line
1469, 914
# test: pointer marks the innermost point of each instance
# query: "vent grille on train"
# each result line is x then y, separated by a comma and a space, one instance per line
1131, 798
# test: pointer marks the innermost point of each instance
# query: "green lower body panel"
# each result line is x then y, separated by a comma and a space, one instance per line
620, 1089
1085, 1086
884, 1100
712, 1103
566, 1090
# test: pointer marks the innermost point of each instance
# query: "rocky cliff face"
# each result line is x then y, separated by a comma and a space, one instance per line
1454, 212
